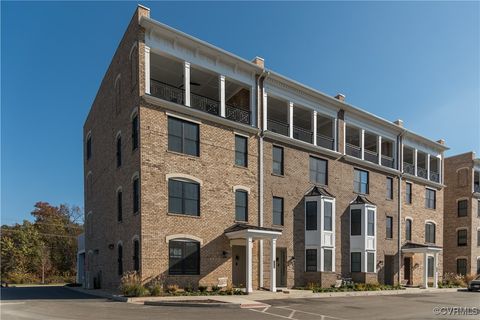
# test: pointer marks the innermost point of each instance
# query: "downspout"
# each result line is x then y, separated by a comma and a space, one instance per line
399, 200
261, 79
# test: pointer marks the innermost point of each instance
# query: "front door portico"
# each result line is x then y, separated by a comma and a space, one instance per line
248, 234
427, 251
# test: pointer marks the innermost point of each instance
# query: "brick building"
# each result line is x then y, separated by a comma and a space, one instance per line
462, 214
209, 169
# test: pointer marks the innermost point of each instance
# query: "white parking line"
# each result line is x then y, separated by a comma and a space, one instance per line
293, 312
8, 303
323, 316
273, 314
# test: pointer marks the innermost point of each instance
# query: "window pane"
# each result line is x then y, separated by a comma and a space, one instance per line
430, 262
318, 171
135, 196
462, 237
119, 206
240, 151
356, 262
408, 230
278, 211
462, 208
174, 127
183, 136
327, 260
356, 222
278, 160
371, 223
184, 257
389, 188
134, 132
360, 181
311, 215
241, 206
389, 227
462, 266
370, 262
191, 147
327, 217
408, 193
311, 259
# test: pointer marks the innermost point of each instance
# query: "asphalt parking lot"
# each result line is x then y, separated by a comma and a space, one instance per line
42, 303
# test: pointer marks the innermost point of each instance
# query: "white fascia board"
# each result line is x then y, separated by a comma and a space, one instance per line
428, 183
371, 165
368, 126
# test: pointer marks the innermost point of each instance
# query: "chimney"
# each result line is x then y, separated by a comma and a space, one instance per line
340, 97
259, 61
441, 141
399, 123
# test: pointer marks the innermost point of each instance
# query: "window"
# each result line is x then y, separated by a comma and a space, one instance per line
430, 232
478, 237
183, 136
389, 228
120, 259
118, 92
278, 160
89, 147
360, 181
241, 205
135, 132
184, 257
389, 188
278, 211
462, 238
241, 151
370, 262
408, 193
408, 230
462, 266
327, 260
183, 197
136, 196
478, 265
327, 216
119, 206
356, 222
311, 215
462, 208
136, 255
478, 209
119, 151
355, 262
311, 260
318, 171
371, 223
430, 199
431, 266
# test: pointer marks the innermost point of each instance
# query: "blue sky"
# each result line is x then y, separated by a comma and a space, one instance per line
418, 61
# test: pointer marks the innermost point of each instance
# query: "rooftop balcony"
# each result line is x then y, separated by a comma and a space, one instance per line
208, 92
300, 123
421, 164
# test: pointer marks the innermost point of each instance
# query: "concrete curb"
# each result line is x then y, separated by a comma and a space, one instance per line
226, 305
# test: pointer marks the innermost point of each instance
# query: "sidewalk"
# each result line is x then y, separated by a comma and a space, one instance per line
253, 300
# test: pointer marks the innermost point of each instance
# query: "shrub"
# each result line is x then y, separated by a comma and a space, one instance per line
155, 285
202, 289
172, 288
19, 277
215, 288
229, 289
131, 285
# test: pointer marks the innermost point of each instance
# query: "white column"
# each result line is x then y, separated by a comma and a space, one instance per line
379, 149
186, 84
147, 70
314, 127
260, 263
415, 155
273, 262
425, 271
362, 144
290, 119
248, 246
264, 111
428, 166
221, 94
253, 107
435, 274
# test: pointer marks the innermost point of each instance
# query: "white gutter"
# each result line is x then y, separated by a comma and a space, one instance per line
399, 199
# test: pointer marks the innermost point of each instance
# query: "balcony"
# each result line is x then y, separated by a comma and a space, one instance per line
476, 188
277, 127
434, 176
325, 142
422, 173
302, 134
388, 161
166, 92
354, 151
370, 156
409, 168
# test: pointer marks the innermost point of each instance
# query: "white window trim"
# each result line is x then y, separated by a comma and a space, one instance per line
136, 237
173, 115
117, 78
241, 134
241, 188
134, 113
119, 134
183, 177
134, 45
181, 236
135, 175
408, 218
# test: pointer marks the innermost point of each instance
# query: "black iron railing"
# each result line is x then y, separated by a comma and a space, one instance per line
236, 114
166, 92
204, 104
324, 141
387, 161
422, 172
409, 168
277, 127
353, 151
371, 156
434, 176
302, 134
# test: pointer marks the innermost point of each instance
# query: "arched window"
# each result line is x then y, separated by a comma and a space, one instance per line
135, 194
408, 229
241, 205
119, 150
133, 64
134, 131
184, 257
429, 232
88, 145
136, 255
119, 205
120, 259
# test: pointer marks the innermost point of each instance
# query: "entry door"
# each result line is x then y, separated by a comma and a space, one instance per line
281, 267
239, 269
389, 260
407, 270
